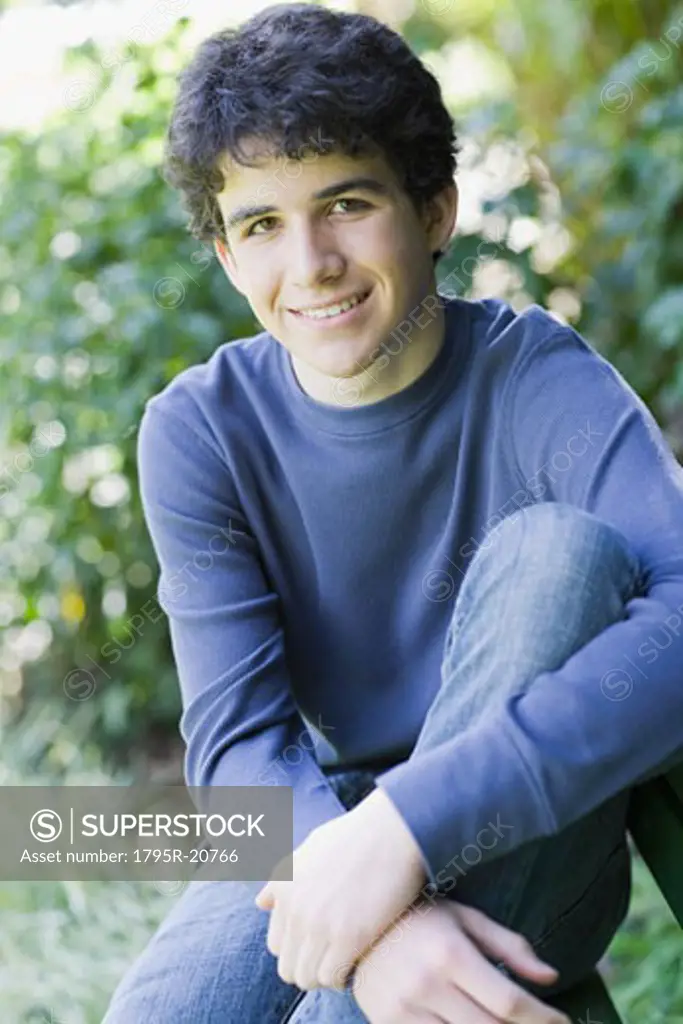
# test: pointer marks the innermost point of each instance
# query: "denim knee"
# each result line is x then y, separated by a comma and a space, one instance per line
550, 576
560, 536
207, 962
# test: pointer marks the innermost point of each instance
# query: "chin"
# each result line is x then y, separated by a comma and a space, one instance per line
336, 364
351, 368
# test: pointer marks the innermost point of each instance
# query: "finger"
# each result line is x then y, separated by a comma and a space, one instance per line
449, 1003
348, 972
286, 964
307, 965
265, 899
423, 1017
333, 973
506, 1001
276, 927
503, 944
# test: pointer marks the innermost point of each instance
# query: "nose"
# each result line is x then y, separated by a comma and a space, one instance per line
313, 257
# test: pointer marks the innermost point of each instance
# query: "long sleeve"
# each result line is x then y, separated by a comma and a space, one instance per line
540, 763
239, 722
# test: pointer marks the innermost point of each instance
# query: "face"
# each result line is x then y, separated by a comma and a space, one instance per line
337, 228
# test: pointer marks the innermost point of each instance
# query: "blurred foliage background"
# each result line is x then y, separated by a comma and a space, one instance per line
571, 181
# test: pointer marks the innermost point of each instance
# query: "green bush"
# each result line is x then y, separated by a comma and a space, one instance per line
109, 298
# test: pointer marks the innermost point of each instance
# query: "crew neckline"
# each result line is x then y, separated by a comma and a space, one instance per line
396, 408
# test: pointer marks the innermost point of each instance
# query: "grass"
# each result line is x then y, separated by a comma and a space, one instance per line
64, 945
644, 963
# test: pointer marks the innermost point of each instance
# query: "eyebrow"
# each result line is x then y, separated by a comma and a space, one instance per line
243, 213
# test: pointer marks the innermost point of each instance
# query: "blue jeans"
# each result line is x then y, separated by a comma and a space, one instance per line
545, 582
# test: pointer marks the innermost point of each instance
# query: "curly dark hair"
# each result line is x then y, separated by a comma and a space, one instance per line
304, 78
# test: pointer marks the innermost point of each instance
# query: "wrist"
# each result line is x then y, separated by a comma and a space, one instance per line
384, 819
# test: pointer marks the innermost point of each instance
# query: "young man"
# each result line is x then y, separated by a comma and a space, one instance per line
447, 548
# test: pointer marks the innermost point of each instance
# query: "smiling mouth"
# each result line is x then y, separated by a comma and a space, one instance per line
337, 310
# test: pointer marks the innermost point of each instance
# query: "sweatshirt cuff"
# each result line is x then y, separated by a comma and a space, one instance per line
451, 798
315, 802
404, 788
313, 798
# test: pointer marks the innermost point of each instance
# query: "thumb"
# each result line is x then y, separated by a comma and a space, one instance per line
505, 946
265, 900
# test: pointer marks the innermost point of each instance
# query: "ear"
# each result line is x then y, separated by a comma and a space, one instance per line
439, 217
227, 261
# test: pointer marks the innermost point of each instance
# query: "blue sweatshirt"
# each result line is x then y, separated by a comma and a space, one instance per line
311, 554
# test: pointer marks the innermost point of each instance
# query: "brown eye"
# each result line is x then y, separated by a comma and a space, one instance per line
356, 203
250, 230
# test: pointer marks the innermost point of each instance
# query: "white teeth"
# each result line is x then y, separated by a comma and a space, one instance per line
323, 314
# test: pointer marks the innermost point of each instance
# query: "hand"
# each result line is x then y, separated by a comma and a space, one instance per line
429, 967
352, 877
